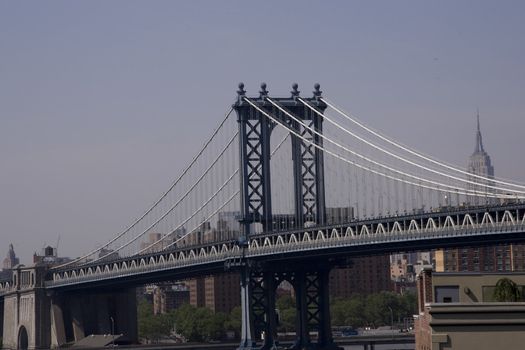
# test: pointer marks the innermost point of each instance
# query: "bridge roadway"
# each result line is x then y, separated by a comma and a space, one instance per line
445, 228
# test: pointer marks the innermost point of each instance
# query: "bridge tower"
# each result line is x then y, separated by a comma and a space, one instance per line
308, 171
259, 281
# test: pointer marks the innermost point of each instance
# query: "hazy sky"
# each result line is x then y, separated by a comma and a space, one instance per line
103, 102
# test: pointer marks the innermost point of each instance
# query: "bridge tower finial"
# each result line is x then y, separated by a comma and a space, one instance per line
295, 92
317, 91
263, 93
241, 91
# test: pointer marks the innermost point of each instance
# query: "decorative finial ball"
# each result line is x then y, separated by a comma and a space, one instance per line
317, 86
241, 86
295, 86
263, 86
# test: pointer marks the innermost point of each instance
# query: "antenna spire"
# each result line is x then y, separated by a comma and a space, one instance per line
479, 140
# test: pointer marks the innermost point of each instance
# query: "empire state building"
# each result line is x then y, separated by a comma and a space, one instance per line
479, 164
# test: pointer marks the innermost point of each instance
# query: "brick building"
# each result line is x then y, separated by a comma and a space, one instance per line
369, 274
219, 293
168, 296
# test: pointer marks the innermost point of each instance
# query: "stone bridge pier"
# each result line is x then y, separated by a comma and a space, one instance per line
37, 318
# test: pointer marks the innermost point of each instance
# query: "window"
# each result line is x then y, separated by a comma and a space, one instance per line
446, 294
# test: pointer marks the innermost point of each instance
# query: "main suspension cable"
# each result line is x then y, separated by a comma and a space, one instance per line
150, 209
369, 169
472, 192
502, 189
415, 153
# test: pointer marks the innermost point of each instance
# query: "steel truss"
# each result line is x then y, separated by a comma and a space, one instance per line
258, 284
312, 304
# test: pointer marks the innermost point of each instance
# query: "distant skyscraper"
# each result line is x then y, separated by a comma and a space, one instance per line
479, 164
11, 260
498, 258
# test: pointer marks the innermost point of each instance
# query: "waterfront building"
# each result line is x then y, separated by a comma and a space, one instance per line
457, 311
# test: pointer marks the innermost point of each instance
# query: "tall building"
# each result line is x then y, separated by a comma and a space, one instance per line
219, 293
479, 164
498, 258
11, 260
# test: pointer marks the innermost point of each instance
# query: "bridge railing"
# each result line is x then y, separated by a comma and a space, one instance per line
315, 238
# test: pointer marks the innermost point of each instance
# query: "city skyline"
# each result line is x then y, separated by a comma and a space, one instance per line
91, 111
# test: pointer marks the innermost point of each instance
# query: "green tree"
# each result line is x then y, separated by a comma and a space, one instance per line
287, 320
199, 324
233, 322
151, 327
348, 312
506, 291
287, 313
285, 302
377, 308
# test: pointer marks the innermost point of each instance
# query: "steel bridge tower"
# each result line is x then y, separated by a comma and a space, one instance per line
259, 281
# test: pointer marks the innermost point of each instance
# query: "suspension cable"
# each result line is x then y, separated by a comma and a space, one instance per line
189, 218
415, 153
369, 169
194, 213
176, 203
149, 210
407, 160
481, 194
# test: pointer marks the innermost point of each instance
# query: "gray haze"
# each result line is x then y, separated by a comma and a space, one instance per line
102, 103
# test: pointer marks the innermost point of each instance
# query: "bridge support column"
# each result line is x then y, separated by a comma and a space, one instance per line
325, 339
271, 316
313, 309
103, 314
77, 319
247, 342
58, 331
125, 314
301, 321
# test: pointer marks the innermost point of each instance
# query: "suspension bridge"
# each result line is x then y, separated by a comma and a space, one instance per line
285, 188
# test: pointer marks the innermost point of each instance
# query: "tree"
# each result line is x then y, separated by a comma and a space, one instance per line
506, 291
151, 327
377, 308
373, 309
233, 322
285, 302
287, 320
287, 313
348, 312
200, 323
